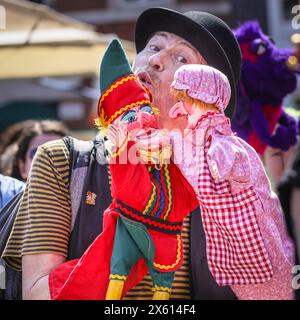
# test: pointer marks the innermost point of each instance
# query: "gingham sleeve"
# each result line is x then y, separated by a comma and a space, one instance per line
228, 160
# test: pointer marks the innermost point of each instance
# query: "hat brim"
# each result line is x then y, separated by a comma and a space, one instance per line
162, 19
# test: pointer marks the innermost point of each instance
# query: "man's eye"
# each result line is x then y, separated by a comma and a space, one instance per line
129, 117
181, 59
153, 47
147, 109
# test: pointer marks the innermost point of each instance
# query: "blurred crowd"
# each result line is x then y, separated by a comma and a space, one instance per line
18, 145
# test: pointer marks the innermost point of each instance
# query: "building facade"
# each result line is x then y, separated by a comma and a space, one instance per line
119, 16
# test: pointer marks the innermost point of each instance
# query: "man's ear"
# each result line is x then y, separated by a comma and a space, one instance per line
178, 110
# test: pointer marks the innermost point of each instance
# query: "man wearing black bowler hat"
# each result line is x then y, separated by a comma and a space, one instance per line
165, 39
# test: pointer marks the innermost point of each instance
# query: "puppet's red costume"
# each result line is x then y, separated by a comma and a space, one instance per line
149, 205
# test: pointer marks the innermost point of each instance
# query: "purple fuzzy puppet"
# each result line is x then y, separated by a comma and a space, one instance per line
265, 81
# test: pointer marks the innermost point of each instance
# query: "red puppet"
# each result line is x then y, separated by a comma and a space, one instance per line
142, 226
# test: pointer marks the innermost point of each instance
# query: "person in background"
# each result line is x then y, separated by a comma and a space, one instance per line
20, 143
17, 158
288, 190
276, 162
9, 187
8, 145
12, 133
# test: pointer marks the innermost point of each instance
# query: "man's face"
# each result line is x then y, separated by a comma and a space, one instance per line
155, 65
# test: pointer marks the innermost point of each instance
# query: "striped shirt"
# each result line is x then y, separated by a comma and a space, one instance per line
43, 222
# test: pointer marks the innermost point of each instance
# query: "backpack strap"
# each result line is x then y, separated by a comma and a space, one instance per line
80, 152
80, 157
89, 191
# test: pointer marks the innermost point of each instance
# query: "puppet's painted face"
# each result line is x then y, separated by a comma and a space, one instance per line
179, 109
188, 110
139, 120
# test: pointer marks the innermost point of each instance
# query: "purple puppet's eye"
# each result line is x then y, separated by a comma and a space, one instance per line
258, 47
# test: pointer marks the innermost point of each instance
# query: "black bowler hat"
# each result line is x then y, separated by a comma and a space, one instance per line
207, 33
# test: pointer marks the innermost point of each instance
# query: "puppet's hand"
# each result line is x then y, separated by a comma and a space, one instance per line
115, 139
116, 135
155, 148
154, 141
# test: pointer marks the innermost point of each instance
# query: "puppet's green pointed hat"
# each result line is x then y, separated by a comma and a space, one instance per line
114, 65
120, 89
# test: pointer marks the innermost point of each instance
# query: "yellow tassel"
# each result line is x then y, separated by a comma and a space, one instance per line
161, 295
114, 290
158, 158
156, 111
100, 127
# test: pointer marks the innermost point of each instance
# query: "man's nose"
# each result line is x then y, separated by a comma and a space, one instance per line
156, 61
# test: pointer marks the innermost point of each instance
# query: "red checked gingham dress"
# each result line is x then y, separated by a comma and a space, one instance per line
247, 244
